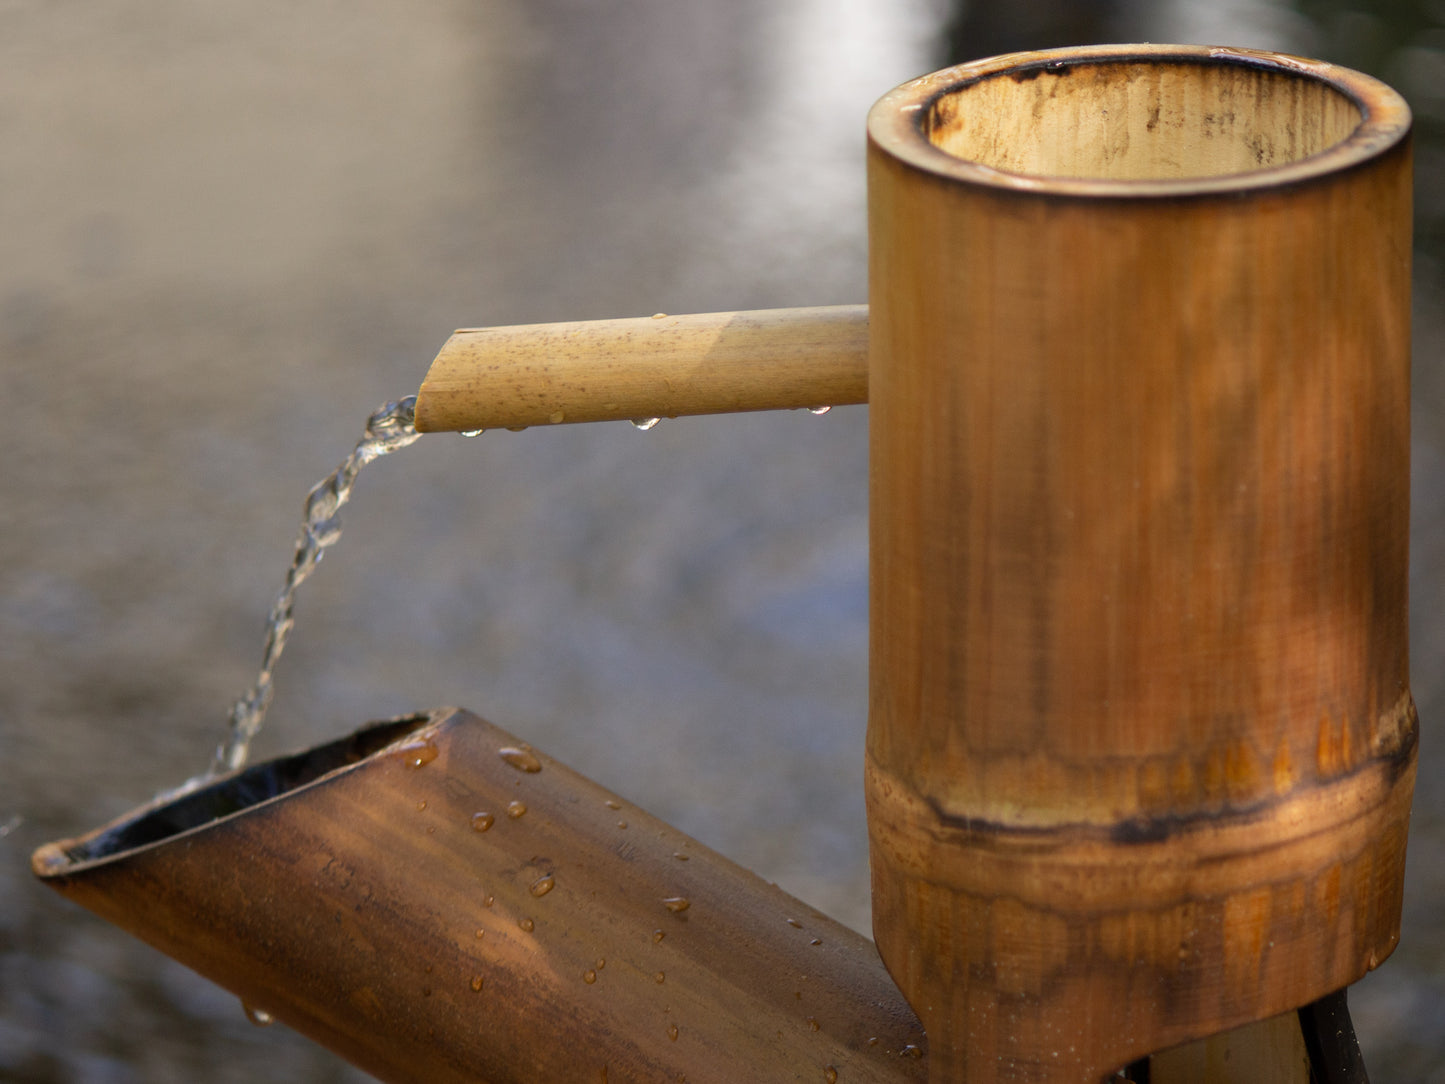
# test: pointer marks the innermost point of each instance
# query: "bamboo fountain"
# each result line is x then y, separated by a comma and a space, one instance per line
1140, 743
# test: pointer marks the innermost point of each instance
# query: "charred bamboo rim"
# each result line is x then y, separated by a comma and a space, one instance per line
1134, 121
230, 795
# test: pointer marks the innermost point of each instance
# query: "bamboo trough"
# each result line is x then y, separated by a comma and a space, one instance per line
436, 901
1140, 745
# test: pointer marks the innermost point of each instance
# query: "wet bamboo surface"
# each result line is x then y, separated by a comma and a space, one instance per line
1141, 745
650, 367
459, 906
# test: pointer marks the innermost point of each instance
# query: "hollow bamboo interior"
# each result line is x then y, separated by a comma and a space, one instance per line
648, 367
1140, 744
437, 901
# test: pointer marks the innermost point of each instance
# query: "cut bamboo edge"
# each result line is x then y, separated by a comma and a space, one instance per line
646, 367
435, 900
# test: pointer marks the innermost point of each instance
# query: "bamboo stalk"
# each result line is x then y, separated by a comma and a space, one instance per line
435, 901
1140, 746
648, 367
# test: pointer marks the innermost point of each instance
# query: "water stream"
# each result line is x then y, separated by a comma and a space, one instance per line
389, 428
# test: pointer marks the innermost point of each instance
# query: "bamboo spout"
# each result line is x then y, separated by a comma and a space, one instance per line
436, 901
649, 367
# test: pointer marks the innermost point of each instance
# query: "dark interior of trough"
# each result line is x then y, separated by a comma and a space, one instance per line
242, 790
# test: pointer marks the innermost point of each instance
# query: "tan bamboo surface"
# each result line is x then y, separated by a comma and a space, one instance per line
1140, 748
576, 938
1266, 1052
648, 367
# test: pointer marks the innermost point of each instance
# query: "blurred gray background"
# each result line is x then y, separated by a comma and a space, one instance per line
229, 231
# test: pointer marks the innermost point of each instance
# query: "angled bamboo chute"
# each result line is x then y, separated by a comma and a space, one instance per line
436, 901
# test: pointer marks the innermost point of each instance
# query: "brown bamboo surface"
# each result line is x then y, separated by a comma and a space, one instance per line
435, 901
1141, 746
648, 367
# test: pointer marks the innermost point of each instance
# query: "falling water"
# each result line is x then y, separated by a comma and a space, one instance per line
389, 428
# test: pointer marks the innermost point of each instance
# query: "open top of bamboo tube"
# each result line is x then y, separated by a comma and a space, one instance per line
1133, 120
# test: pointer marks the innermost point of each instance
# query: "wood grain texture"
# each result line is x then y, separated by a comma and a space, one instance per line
648, 367
1140, 745
366, 910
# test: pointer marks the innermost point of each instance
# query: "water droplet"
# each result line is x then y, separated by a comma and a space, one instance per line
819, 409
477, 983
260, 1017
680, 856
659, 316
622, 824
601, 963
421, 806
431, 830
556, 417
516, 808
417, 753
676, 904
481, 933
873, 1041
482, 821
426, 991
472, 432
911, 1051
516, 429
524, 760
659, 978
830, 1074
612, 803
815, 941
489, 901
544, 884
813, 1025
645, 423
657, 935
589, 976
795, 923
672, 1032
527, 925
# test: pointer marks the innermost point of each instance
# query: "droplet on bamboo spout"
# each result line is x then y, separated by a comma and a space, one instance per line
676, 904
524, 760
542, 885
516, 809
482, 821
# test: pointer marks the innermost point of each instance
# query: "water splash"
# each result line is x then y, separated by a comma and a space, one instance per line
390, 428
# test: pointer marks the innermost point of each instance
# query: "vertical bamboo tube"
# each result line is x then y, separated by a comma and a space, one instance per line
1140, 746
